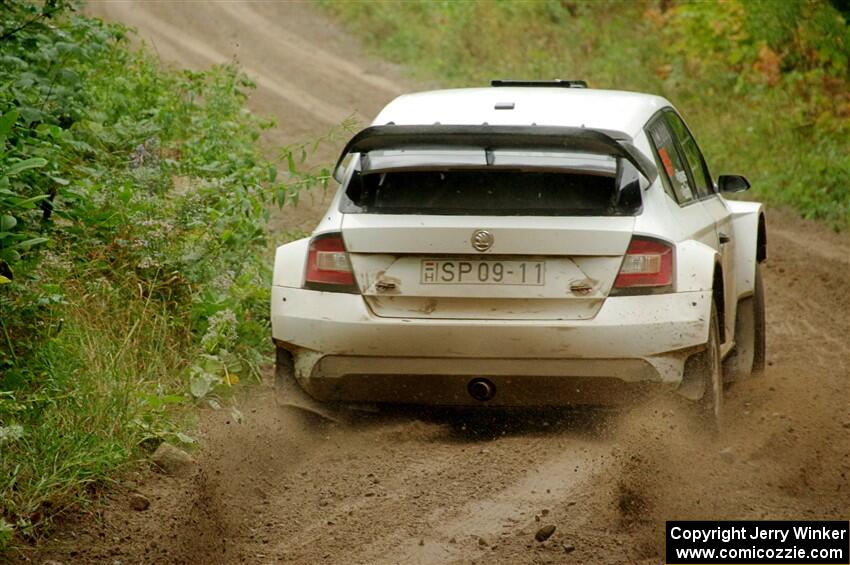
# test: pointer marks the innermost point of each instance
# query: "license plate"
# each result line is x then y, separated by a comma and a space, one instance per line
438, 271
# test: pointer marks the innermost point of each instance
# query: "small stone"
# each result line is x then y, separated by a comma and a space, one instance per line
52, 562
727, 455
453, 540
544, 512
482, 542
544, 533
846, 425
421, 542
171, 460
139, 502
569, 548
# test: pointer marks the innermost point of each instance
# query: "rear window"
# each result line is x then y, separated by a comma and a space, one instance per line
500, 183
485, 192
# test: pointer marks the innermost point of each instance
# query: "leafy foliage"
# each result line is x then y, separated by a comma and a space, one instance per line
763, 83
134, 250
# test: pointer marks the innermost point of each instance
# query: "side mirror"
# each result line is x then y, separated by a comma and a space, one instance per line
732, 183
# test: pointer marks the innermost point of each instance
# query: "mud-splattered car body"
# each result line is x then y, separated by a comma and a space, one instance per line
521, 246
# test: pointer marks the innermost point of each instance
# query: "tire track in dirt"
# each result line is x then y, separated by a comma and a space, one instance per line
484, 523
319, 60
319, 110
399, 488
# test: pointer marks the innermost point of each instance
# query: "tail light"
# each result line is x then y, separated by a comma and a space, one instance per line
647, 268
328, 267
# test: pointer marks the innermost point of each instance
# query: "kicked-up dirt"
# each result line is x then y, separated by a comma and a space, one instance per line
430, 487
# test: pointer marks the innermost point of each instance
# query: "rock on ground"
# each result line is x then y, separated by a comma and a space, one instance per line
139, 502
172, 461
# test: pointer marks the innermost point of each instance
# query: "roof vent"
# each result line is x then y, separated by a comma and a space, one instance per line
557, 83
504, 105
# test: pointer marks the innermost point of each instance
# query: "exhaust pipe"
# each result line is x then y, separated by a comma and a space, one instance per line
481, 389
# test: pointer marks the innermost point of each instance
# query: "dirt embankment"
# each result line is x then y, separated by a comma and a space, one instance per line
431, 488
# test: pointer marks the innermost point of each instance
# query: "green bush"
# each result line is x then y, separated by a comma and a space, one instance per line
134, 251
763, 83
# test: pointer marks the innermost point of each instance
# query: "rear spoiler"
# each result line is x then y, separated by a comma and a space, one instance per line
583, 140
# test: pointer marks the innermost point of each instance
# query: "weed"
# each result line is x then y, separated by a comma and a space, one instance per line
134, 252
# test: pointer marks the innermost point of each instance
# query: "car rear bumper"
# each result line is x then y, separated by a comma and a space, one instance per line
344, 352
444, 381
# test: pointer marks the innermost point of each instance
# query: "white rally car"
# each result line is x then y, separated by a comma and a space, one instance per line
531, 243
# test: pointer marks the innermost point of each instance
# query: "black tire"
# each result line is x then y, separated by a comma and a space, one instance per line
748, 357
706, 366
759, 338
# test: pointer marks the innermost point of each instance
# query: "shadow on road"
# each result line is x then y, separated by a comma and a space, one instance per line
472, 425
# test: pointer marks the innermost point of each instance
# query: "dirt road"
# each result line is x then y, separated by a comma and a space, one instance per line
431, 488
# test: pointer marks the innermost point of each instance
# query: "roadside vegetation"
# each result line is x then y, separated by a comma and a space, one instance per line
765, 84
133, 252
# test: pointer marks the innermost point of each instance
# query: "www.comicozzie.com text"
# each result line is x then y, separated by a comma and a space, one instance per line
727, 534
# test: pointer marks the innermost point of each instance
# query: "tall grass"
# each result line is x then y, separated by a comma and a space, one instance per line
134, 253
114, 374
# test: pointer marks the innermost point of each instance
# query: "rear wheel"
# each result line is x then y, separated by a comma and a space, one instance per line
748, 358
760, 349
705, 367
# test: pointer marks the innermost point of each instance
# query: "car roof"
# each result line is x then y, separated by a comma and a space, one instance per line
577, 107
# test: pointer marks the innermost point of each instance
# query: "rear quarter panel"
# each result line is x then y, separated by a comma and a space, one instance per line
688, 229
289, 263
745, 225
